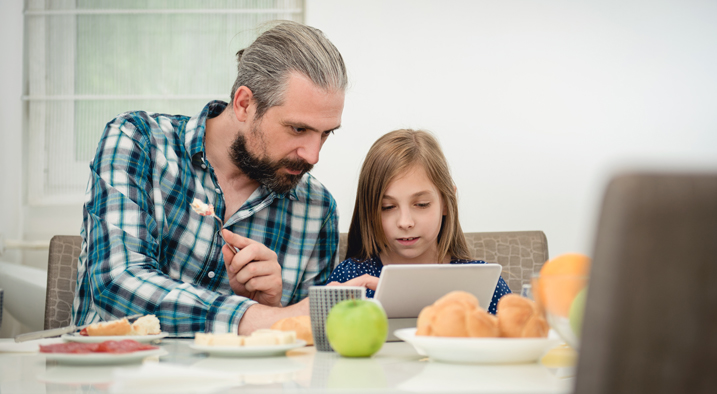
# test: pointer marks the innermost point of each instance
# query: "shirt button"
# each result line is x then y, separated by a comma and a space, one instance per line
210, 274
218, 190
204, 166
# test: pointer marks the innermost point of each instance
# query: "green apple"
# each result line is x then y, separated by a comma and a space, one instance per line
577, 311
356, 328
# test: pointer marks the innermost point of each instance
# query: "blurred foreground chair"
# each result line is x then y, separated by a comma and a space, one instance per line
651, 314
61, 280
521, 253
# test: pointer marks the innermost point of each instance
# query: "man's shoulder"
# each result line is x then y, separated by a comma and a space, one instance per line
146, 123
310, 190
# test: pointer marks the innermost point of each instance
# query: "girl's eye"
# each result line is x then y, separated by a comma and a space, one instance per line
387, 207
423, 204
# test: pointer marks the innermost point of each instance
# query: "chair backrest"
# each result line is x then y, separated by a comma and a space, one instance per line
651, 313
521, 253
61, 280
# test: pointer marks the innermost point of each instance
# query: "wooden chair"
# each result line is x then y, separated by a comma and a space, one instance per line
651, 314
521, 253
61, 280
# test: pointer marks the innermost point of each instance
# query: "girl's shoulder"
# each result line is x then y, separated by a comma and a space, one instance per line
352, 268
365, 263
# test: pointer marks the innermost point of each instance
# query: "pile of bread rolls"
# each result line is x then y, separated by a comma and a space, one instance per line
457, 314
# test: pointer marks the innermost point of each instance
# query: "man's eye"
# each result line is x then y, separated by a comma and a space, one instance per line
328, 133
298, 130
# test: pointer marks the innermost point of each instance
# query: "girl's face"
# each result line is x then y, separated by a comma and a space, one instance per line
411, 214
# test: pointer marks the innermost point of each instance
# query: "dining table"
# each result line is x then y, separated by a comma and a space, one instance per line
179, 368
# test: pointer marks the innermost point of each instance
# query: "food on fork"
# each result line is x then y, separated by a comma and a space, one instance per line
202, 208
145, 325
262, 337
299, 324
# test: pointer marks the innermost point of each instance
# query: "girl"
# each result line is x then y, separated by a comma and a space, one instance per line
406, 212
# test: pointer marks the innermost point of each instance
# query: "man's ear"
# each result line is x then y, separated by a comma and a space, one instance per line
242, 104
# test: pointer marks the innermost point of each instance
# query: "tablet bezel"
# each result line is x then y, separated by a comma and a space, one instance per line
404, 290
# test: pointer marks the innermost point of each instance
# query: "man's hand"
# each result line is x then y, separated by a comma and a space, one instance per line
254, 272
365, 280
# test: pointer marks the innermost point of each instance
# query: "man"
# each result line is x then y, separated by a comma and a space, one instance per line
145, 251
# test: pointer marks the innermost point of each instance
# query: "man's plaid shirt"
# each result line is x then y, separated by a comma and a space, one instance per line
144, 249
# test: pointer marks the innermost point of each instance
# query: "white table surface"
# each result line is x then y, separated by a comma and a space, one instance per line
396, 368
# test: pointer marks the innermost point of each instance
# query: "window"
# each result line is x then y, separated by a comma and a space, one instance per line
89, 60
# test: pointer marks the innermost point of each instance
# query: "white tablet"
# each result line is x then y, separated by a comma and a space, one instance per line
405, 289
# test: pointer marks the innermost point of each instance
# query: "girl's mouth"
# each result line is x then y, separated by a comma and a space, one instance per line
407, 240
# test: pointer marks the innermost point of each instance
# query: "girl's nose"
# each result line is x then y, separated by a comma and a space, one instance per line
405, 220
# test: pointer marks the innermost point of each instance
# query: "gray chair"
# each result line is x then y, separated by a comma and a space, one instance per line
651, 314
521, 253
61, 280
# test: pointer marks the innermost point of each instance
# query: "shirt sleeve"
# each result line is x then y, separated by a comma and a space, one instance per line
325, 255
122, 272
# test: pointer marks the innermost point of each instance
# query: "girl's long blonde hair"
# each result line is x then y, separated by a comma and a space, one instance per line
391, 155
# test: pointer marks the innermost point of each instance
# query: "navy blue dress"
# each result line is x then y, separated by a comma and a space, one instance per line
350, 268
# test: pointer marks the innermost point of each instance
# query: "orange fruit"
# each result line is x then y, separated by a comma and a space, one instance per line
561, 279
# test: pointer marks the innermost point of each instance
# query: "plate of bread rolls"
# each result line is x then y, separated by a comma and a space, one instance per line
456, 329
144, 330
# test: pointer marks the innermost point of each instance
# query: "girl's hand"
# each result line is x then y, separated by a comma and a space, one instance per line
365, 280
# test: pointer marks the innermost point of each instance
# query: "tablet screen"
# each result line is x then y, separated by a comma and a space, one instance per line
404, 290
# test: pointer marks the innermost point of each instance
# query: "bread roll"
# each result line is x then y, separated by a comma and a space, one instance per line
480, 323
457, 314
300, 324
109, 328
146, 325
519, 317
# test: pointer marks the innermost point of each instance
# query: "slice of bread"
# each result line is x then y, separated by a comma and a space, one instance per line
300, 324
109, 328
146, 325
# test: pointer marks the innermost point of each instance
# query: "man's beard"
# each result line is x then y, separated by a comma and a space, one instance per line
265, 171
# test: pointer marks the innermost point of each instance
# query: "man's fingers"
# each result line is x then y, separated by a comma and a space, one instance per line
255, 252
262, 283
236, 239
256, 269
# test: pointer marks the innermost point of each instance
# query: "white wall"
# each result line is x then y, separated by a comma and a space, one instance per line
10, 134
536, 103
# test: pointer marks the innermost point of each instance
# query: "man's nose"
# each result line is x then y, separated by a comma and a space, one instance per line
309, 151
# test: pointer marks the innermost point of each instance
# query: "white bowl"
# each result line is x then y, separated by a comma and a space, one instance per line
479, 350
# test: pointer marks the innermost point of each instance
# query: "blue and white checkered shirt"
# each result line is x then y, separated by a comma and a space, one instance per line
144, 249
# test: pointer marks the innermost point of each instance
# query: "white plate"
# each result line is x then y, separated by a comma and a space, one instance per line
76, 337
478, 350
103, 358
248, 351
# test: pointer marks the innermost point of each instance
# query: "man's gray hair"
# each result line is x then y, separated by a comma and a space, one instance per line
264, 67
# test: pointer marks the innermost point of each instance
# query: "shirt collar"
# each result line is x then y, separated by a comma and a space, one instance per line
194, 141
